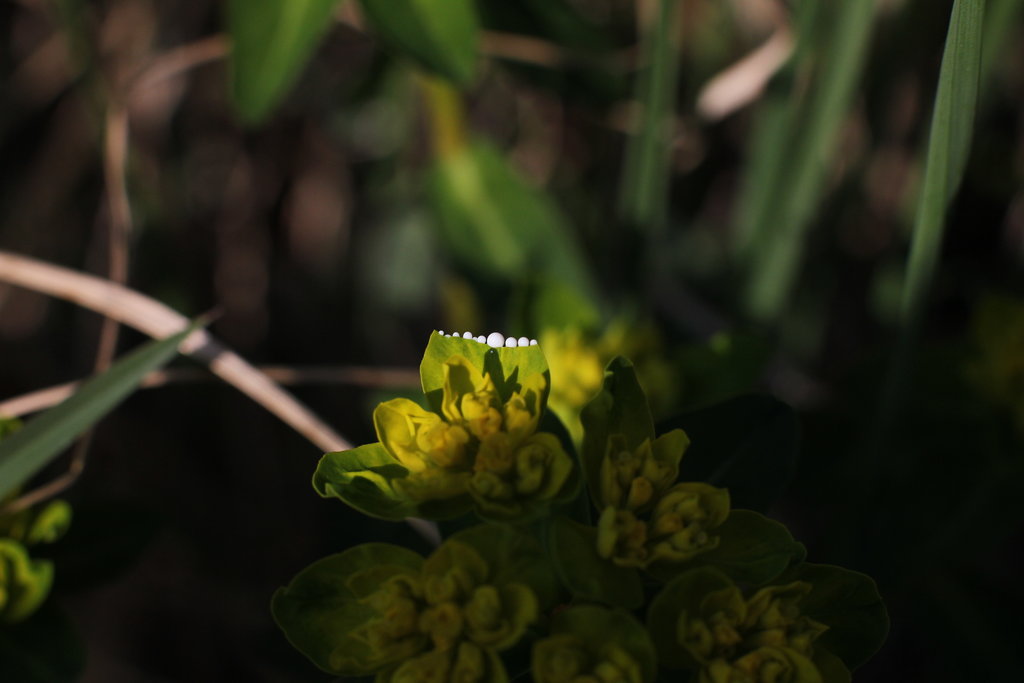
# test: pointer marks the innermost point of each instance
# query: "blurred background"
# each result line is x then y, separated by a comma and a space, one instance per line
724, 191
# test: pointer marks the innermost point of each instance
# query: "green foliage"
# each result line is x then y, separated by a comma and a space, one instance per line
734, 599
596, 642
849, 604
753, 550
271, 41
29, 449
379, 608
439, 37
479, 448
573, 549
704, 622
500, 227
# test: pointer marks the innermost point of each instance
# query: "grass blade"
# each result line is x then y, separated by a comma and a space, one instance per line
28, 450
948, 144
778, 250
644, 188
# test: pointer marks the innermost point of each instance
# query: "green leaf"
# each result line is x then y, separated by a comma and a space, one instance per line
948, 144
573, 549
498, 225
512, 557
28, 450
849, 604
321, 608
362, 477
597, 629
441, 37
683, 594
830, 667
507, 366
271, 41
620, 408
753, 550
747, 444
42, 649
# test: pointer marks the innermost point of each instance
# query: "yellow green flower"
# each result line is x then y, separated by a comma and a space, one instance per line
477, 447
702, 620
763, 665
590, 644
381, 609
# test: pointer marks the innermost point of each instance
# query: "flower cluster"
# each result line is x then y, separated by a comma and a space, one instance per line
478, 447
730, 638
646, 516
391, 613
733, 599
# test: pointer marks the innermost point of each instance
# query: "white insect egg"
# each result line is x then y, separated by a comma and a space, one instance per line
510, 342
441, 332
533, 342
467, 335
496, 340
482, 339
523, 341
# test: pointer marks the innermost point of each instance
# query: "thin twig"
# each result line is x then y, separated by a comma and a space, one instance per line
158, 320
41, 399
180, 60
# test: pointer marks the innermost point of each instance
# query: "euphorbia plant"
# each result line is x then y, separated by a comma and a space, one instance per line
640, 574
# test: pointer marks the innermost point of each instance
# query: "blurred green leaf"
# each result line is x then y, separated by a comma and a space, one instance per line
778, 240
271, 41
42, 649
499, 226
849, 604
620, 408
949, 142
644, 187
752, 549
441, 37
573, 550
321, 608
831, 667
747, 444
28, 450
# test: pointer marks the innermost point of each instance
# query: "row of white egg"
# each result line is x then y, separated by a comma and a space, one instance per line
494, 339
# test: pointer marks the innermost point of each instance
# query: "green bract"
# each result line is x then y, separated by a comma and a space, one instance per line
592, 644
378, 608
477, 448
